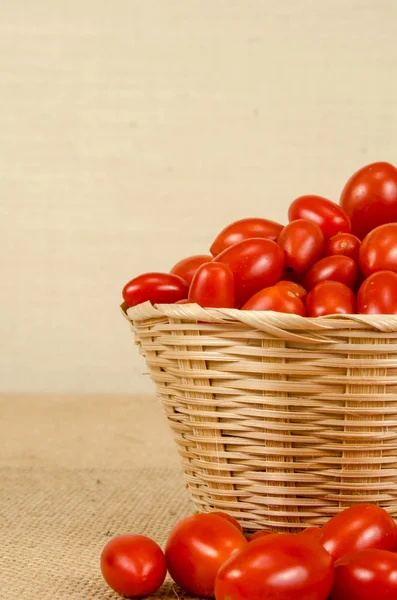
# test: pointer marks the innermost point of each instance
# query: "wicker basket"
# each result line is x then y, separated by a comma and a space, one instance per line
279, 420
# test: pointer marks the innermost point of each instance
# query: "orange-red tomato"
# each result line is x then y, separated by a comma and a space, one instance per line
278, 299
330, 217
213, 286
303, 244
343, 244
243, 230
330, 298
332, 268
314, 533
157, 288
378, 250
187, 267
259, 534
378, 294
228, 518
292, 286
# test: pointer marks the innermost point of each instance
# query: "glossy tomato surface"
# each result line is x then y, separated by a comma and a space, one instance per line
366, 575
330, 217
330, 298
303, 244
343, 244
292, 286
360, 527
369, 198
278, 299
196, 549
213, 286
378, 251
187, 267
157, 288
244, 229
277, 567
256, 263
332, 268
378, 294
133, 565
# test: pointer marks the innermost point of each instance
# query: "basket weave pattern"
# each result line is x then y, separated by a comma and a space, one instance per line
279, 420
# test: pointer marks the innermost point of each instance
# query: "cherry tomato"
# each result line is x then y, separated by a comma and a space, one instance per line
314, 533
278, 299
276, 567
366, 575
157, 288
133, 565
303, 244
213, 286
197, 547
187, 267
256, 263
330, 298
378, 294
343, 244
370, 197
228, 518
259, 534
332, 268
244, 229
378, 250
292, 286
330, 217
358, 528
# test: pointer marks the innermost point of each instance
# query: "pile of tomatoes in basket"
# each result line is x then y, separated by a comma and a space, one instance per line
329, 259
352, 557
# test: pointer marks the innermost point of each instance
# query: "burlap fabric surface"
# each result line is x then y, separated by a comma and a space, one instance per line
75, 471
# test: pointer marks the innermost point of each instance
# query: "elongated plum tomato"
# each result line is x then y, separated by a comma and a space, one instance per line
331, 268
366, 575
275, 567
213, 286
157, 288
378, 294
256, 263
330, 217
133, 565
343, 244
378, 250
187, 267
278, 299
293, 287
330, 298
303, 244
196, 549
369, 198
244, 229
358, 528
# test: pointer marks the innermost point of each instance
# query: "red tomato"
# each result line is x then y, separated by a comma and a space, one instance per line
133, 565
157, 288
187, 267
213, 286
332, 268
228, 518
314, 533
256, 263
366, 575
278, 299
276, 567
343, 244
292, 286
259, 534
303, 244
244, 229
197, 547
330, 217
378, 294
358, 528
378, 250
330, 298
370, 197
184, 301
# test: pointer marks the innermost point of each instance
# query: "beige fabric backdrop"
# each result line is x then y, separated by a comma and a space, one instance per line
132, 131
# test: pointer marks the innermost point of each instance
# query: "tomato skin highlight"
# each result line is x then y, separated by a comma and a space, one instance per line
378, 294
343, 244
213, 286
276, 567
330, 217
197, 547
360, 527
295, 288
331, 268
245, 229
378, 250
369, 197
303, 244
278, 299
256, 263
157, 288
187, 267
330, 298
366, 575
133, 565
